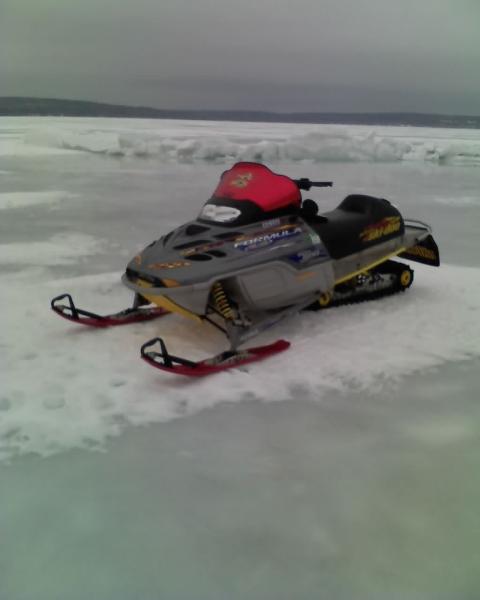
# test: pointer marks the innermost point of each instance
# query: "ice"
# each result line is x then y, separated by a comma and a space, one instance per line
187, 141
60, 249
340, 499
465, 201
15, 200
442, 431
346, 467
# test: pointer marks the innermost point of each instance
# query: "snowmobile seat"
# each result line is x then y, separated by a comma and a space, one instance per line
358, 222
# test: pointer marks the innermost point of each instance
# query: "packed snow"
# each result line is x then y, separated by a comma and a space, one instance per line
64, 386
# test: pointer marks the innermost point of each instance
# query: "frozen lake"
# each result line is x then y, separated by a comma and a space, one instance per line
345, 468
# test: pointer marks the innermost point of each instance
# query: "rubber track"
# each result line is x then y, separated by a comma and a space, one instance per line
387, 268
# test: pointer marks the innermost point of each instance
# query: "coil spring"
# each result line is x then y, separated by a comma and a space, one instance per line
221, 302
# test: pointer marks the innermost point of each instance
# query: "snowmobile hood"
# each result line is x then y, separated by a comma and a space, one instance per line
177, 271
195, 253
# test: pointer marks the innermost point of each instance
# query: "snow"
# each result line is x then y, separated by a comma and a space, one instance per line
346, 467
69, 388
97, 385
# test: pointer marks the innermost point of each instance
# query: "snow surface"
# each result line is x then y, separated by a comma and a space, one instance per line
60, 249
64, 386
9, 200
345, 468
188, 141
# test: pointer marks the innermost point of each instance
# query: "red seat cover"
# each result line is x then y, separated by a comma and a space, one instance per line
256, 182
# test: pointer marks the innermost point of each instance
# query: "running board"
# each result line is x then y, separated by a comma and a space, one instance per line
161, 359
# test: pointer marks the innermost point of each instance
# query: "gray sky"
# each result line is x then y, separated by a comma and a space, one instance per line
285, 55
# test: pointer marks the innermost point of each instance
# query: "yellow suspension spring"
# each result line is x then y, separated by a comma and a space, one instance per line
221, 302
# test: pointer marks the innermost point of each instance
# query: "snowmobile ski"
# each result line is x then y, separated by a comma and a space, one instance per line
84, 317
165, 361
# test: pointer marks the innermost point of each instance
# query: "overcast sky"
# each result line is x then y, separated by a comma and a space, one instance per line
280, 55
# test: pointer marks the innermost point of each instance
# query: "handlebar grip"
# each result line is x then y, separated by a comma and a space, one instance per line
306, 184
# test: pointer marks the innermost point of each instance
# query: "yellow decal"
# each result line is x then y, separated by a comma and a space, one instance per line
169, 265
169, 283
143, 283
242, 180
201, 248
421, 251
172, 306
165, 302
371, 265
377, 230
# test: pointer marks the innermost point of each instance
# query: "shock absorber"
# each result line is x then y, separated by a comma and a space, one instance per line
221, 302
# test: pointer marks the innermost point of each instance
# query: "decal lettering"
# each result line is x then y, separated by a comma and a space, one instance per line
305, 275
201, 248
307, 255
377, 230
267, 238
421, 251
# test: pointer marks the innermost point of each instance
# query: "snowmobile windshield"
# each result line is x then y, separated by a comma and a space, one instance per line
250, 192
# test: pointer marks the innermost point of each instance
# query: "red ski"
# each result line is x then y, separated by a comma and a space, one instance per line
226, 360
84, 317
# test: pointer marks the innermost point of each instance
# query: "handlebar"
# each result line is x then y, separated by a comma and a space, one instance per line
306, 184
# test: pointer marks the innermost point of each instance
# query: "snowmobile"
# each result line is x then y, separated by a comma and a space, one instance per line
256, 254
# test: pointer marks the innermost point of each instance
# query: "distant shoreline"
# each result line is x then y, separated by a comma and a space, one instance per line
16, 106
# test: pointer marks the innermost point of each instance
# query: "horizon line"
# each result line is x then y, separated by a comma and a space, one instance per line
239, 110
